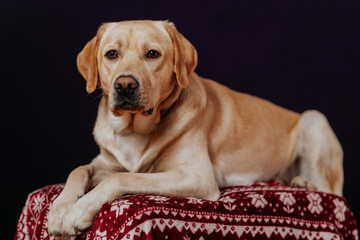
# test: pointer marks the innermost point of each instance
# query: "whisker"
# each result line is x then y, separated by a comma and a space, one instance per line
93, 100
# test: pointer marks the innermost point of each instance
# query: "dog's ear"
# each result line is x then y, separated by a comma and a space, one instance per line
87, 61
185, 55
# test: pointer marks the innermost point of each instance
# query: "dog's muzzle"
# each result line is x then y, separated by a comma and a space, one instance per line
127, 93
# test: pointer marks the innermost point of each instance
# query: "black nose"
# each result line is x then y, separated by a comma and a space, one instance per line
126, 85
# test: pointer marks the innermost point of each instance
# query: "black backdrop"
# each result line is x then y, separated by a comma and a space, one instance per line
298, 54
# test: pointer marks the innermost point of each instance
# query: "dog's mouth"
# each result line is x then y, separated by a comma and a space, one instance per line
119, 110
127, 105
131, 104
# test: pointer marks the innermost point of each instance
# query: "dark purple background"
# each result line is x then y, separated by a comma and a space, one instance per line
298, 54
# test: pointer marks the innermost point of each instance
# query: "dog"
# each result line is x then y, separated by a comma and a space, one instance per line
164, 130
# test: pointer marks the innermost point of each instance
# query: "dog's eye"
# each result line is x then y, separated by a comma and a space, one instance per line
112, 54
152, 54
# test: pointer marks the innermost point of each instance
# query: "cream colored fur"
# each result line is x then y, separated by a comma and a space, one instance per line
212, 137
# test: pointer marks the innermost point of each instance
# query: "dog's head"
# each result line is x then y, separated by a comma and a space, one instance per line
141, 66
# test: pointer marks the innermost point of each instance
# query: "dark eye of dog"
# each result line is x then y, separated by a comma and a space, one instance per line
152, 54
112, 54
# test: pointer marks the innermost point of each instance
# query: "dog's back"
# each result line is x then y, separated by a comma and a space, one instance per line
249, 138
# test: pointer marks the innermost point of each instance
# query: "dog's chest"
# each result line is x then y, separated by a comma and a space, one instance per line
128, 150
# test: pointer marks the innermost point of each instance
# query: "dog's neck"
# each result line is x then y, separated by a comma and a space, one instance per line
165, 111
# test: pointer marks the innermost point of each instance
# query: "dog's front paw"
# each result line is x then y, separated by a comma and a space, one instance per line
56, 215
300, 181
80, 218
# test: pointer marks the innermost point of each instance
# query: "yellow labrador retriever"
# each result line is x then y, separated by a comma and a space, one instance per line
162, 129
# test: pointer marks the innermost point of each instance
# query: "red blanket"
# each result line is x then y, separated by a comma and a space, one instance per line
260, 211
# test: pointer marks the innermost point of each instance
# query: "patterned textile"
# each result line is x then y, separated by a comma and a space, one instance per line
260, 211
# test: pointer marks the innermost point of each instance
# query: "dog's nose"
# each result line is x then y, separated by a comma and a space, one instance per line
125, 85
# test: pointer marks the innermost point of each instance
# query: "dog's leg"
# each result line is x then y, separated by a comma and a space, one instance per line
78, 182
175, 182
320, 155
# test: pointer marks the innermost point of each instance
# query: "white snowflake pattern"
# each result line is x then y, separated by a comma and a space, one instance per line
119, 206
160, 199
37, 203
100, 235
314, 203
227, 199
288, 200
195, 200
186, 237
231, 190
340, 209
258, 200
228, 203
229, 206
